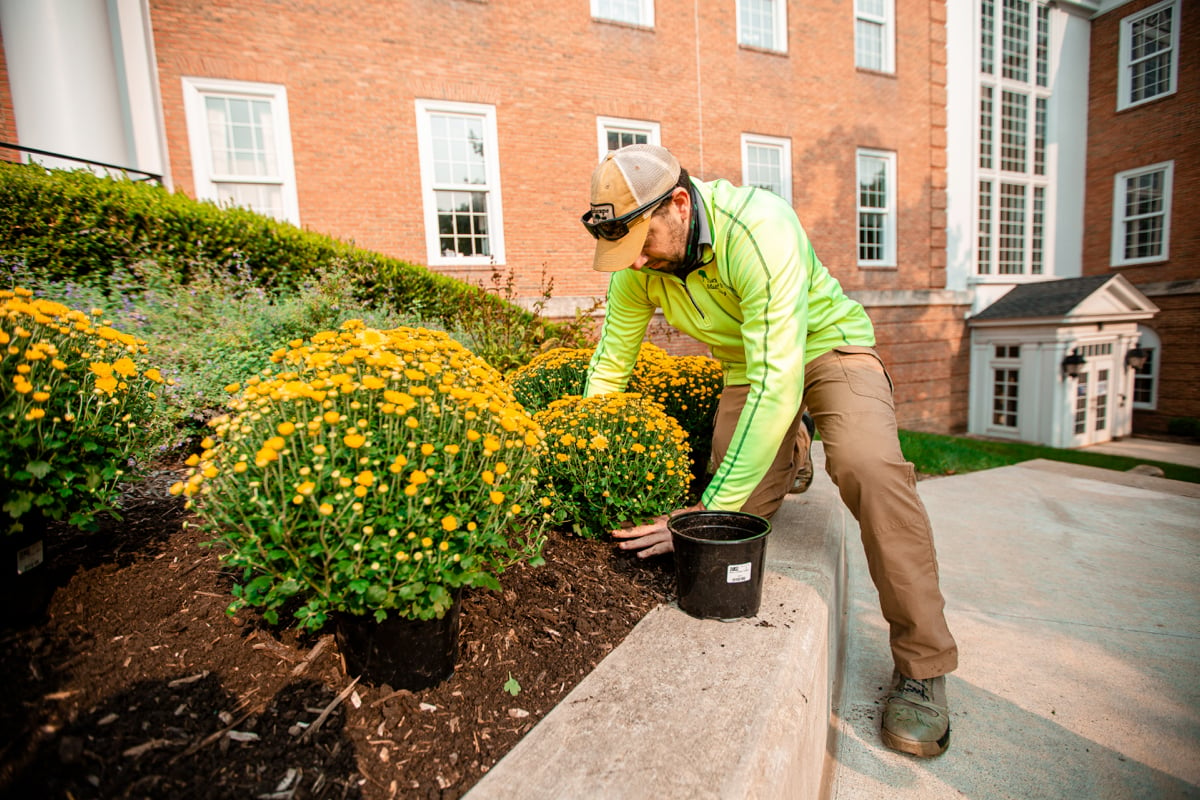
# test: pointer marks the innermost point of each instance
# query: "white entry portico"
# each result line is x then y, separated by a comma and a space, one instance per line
1051, 362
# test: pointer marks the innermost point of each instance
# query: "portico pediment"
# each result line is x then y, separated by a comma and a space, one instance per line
1066, 302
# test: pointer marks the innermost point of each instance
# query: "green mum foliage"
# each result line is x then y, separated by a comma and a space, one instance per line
612, 459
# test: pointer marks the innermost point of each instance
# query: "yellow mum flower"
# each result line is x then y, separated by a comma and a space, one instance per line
354, 441
233, 388
35, 413
365, 478
489, 477
275, 443
106, 385
325, 509
449, 523
496, 497
125, 366
41, 397
417, 477
285, 428
331, 417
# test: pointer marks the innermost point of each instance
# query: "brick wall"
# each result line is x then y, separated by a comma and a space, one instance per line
353, 69
1161, 130
1178, 329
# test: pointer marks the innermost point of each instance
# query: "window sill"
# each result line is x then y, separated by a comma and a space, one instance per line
617, 23
766, 51
877, 73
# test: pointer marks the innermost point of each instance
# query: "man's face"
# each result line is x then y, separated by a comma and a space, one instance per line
666, 239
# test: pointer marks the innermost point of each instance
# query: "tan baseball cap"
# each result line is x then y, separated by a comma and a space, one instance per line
626, 188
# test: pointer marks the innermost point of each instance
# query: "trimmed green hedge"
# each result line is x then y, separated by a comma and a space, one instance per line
73, 224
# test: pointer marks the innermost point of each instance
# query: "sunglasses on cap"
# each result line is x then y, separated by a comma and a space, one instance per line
613, 229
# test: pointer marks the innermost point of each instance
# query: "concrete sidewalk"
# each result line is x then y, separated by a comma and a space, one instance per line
1072, 593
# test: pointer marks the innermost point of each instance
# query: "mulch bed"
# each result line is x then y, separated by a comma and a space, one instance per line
136, 683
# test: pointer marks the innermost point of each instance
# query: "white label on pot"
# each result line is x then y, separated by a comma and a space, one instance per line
29, 557
737, 573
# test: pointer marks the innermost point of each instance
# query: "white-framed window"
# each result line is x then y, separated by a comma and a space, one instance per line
613, 133
1014, 100
241, 144
762, 24
1142, 215
876, 208
874, 35
460, 183
634, 12
1149, 59
1145, 379
767, 164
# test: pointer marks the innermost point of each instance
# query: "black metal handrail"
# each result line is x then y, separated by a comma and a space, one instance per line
149, 176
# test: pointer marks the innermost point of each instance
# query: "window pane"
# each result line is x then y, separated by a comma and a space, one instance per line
1144, 215
1012, 229
873, 210
1016, 39
985, 127
757, 19
462, 223
1037, 245
868, 45
764, 167
1014, 114
1005, 385
1150, 55
985, 228
458, 149
1043, 46
1143, 380
987, 37
618, 138
241, 137
619, 10
261, 198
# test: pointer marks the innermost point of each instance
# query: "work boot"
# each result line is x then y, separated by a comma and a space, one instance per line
916, 716
804, 477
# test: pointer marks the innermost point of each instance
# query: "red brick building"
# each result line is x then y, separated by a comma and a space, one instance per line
1143, 183
461, 134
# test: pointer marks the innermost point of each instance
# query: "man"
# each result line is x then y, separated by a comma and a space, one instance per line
732, 267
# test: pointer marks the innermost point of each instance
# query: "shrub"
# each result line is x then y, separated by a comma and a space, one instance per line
58, 225
375, 473
77, 411
612, 459
1184, 426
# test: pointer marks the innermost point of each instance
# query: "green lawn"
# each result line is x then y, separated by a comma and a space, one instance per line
948, 455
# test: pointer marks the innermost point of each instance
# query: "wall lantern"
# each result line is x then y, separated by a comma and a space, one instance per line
1072, 365
1137, 358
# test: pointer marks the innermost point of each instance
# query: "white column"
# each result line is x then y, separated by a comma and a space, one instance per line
69, 78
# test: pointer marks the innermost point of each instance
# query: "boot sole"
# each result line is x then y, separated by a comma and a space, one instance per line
912, 747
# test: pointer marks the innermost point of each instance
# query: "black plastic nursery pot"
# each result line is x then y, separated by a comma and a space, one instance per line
26, 586
403, 653
719, 559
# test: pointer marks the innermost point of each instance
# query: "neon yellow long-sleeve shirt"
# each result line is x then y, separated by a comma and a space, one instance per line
765, 306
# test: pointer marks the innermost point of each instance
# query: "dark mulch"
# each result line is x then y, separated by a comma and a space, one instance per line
136, 683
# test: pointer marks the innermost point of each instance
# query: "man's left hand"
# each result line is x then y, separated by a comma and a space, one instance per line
651, 539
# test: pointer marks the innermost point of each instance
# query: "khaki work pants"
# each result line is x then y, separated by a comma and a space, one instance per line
849, 395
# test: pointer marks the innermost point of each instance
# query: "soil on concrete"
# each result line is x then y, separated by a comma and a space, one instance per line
136, 683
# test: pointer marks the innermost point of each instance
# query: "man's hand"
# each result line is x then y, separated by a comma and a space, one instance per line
651, 539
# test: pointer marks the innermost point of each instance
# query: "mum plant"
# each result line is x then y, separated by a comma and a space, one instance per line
77, 410
687, 387
371, 473
612, 459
